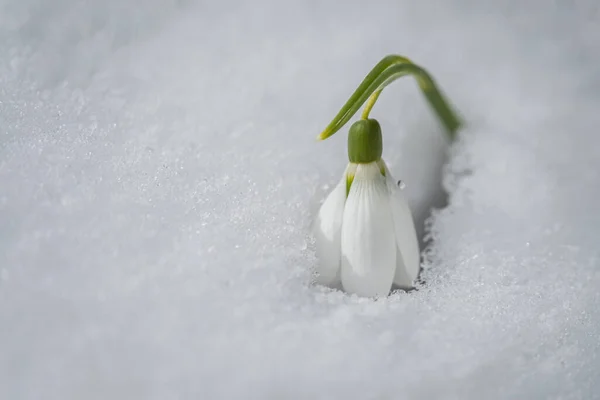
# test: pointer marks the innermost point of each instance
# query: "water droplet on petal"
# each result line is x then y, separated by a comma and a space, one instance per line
401, 184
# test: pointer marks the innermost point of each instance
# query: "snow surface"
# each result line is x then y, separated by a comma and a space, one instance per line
159, 172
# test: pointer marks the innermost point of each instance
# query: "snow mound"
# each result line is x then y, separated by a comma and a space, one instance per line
159, 173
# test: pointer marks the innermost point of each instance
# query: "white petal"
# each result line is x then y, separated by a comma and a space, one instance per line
327, 231
408, 257
368, 242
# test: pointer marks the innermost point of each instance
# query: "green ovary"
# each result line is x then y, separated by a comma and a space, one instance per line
365, 143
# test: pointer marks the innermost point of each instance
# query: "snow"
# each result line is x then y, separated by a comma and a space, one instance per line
159, 173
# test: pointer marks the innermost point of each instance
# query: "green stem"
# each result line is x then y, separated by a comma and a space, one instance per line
370, 104
385, 72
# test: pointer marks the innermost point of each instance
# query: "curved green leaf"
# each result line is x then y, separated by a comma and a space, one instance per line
385, 72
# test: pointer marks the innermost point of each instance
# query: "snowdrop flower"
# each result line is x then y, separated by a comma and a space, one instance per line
364, 231
365, 234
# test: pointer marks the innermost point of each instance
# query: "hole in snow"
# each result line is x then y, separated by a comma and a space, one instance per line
417, 162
